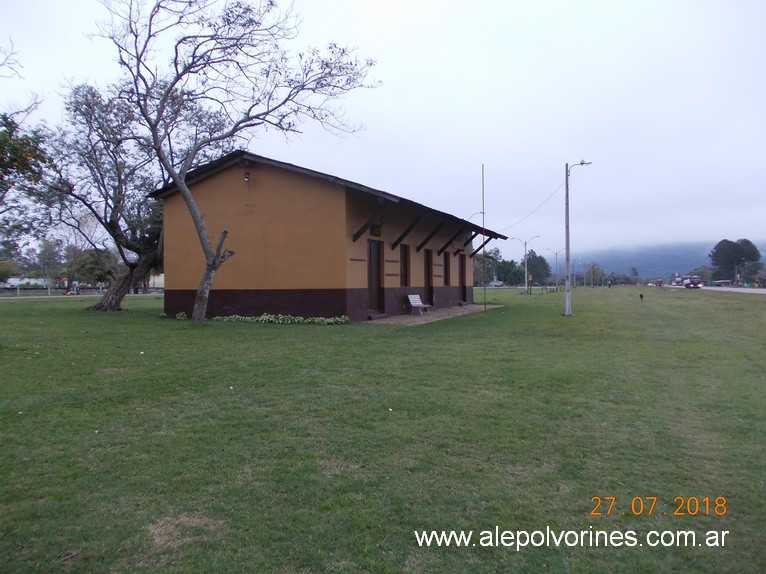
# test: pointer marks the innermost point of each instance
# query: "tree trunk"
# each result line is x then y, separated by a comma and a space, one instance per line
214, 262
203, 293
112, 299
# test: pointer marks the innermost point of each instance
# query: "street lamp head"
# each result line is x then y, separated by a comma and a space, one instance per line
527, 241
581, 162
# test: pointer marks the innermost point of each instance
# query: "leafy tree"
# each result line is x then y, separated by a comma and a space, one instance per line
73, 238
510, 272
97, 266
634, 276
8, 269
752, 271
704, 273
104, 167
485, 266
22, 161
73, 256
731, 258
594, 274
724, 257
199, 73
9, 250
538, 267
50, 259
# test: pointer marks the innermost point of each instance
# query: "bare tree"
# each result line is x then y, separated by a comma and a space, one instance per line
75, 237
10, 67
200, 73
49, 259
9, 62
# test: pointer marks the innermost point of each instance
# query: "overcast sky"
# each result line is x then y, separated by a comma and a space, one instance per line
667, 98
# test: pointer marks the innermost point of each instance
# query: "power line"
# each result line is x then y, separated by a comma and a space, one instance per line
547, 199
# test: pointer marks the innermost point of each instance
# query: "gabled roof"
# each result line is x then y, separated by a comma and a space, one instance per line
244, 159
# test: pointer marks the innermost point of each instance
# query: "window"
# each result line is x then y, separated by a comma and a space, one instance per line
404, 265
446, 268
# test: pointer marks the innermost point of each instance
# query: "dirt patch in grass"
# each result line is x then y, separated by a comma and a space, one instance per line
114, 370
418, 562
332, 466
175, 531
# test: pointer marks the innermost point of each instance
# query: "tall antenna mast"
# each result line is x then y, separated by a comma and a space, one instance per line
483, 240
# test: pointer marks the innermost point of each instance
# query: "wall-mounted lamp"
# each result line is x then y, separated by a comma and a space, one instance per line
246, 175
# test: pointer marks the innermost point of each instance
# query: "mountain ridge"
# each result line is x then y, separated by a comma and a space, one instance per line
651, 261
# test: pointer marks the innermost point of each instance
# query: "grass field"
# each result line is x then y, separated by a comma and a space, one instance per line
136, 443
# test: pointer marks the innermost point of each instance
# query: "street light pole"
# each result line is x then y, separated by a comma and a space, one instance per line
556, 253
568, 279
526, 270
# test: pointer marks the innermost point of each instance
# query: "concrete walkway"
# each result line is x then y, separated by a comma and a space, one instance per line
434, 315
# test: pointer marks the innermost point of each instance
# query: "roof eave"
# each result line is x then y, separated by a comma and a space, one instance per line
246, 159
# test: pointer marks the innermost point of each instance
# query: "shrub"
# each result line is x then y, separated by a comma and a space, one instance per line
284, 319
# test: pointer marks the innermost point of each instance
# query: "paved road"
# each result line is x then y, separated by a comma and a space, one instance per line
751, 290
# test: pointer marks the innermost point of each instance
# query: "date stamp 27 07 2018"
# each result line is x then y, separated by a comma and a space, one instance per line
647, 505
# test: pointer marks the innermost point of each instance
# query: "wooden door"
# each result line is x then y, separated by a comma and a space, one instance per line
374, 272
461, 273
429, 276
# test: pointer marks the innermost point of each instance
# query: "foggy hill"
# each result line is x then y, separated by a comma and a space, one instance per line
656, 261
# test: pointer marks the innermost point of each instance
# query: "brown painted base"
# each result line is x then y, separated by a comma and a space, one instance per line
353, 303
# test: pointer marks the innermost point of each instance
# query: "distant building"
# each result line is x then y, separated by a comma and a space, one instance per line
312, 244
25, 282
157, 281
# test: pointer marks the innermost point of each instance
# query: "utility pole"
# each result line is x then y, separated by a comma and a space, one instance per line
556, 253
526, 270
483, 231
568, 269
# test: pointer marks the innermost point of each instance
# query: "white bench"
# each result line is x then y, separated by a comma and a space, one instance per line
416, 303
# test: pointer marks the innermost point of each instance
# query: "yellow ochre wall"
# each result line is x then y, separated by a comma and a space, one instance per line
360, 208
293, 232
287, 229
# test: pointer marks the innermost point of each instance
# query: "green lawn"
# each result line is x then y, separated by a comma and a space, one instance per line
131, 442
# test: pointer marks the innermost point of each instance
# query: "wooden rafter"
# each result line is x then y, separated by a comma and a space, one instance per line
375, 217
475, 233
430, 235
487, 240
449, 242
406, 232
